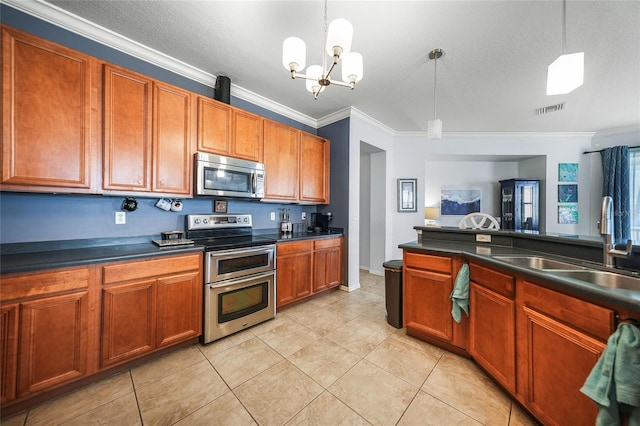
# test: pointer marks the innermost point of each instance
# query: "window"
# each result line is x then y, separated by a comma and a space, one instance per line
634, 180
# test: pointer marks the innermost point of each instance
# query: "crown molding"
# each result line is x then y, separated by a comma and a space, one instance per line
354, 112
272, 106
485, 135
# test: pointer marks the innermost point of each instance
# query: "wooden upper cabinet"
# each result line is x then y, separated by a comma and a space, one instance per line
314, 167
147, 134
127, 130
48, 90
172, 130
225, 130
281, 156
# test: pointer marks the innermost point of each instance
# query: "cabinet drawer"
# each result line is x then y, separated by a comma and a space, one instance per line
150, 268
326, 243
428, 262
293, 247
500, 283
39, 284
592, 319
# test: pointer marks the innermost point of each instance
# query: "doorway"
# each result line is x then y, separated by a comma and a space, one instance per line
373, 200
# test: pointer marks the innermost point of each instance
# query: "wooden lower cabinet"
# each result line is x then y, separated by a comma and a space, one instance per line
307, 267
428, 281
59, 326
560, 339
46, 330
149, 304
492, 336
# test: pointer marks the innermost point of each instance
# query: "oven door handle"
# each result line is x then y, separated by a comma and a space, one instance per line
218, 254
233, 282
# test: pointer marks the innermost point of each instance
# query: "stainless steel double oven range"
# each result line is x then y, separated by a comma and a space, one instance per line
239, 273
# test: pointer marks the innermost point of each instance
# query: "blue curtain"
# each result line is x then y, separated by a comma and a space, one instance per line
615, 174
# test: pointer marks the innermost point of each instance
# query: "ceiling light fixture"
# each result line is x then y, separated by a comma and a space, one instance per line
567, 72
434, 127
337, 41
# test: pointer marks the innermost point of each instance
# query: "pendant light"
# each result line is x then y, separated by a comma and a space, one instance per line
567, 72
337, 43
434, 127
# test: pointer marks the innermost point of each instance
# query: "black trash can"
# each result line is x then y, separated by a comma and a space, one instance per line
393, 291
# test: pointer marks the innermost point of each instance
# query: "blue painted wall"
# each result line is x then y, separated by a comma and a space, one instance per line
338, 134
27, 217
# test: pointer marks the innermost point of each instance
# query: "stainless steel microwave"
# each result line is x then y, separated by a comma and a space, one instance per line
220, 176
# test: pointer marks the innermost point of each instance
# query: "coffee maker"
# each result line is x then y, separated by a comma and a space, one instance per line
320, 221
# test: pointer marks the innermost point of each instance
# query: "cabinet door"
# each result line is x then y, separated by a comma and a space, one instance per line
314, 167
46, 115
247, 136
172, 129
214, 126
8, 352
53, 341
558, 360
128, 321
127, 130
281, 153
327, 264
293, 278
179, 313
492, 334
427, 306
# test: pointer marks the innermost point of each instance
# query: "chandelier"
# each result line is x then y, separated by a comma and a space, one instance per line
337, 42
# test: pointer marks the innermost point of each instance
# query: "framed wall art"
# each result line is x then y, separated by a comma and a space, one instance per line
568, 193
407, 195
459, 202
568, 214
568, 172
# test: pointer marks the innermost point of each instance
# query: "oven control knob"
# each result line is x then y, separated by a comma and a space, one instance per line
246, 219
205, 220
196, 221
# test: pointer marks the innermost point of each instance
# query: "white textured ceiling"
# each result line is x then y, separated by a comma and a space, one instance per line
491, 78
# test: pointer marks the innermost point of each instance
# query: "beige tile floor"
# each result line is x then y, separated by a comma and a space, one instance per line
333, 360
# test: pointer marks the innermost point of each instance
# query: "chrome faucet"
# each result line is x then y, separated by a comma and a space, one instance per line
605, 225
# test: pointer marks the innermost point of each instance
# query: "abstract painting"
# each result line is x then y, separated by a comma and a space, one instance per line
459, 202
568, 172
568, 214
568, 193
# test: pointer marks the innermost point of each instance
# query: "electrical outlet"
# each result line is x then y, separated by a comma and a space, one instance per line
483, 238
121, 218
273, 215
304, 215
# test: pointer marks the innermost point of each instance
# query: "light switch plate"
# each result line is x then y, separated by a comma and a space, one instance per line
273, 215
483, 238
304, 215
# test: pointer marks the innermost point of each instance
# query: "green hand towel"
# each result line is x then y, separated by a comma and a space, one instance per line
615, 379
460, 294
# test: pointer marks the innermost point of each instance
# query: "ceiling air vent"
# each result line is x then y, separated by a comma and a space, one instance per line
550, 108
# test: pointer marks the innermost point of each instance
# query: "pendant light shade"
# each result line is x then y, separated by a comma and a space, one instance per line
434, 127
313, 84
294, 53
565, 74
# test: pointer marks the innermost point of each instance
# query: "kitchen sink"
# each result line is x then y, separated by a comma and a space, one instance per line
603, 278
536, 262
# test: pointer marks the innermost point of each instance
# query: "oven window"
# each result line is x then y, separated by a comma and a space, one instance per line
242, 263
242, 302
227, 180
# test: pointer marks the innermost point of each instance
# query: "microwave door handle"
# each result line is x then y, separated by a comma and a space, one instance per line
254, 185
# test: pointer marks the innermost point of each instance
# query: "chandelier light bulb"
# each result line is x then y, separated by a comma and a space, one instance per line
352, 68
339, 38
314, 72
294, 54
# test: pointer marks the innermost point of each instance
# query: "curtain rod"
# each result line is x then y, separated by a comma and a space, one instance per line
600, 150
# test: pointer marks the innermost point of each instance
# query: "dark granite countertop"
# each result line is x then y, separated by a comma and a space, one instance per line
489, 255
296, 236
27, 257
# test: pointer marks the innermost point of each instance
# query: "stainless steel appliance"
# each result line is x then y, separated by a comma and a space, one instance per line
228, 177
239, 273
